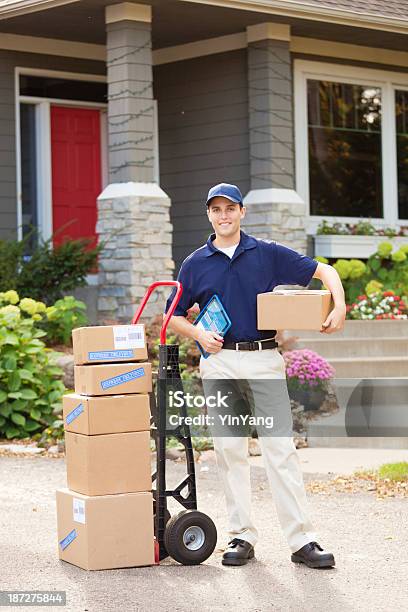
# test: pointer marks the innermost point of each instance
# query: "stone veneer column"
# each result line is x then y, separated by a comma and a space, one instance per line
275, 211
133, 211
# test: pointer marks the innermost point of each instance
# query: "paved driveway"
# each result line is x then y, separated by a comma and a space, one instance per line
368, 537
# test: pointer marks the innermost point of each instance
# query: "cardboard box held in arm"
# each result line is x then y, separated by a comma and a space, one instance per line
108, 464
293, 309
103, 415
113, 378
109, 343
105, 532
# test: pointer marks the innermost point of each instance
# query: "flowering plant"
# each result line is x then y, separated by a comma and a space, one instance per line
362, 228
57, 321
378, 305
306, 369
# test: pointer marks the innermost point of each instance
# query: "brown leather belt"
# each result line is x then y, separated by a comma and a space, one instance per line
251, 345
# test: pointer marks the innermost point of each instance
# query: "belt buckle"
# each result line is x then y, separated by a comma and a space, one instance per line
259, 342
236, 346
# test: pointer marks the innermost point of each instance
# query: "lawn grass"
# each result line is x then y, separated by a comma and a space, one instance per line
394, 471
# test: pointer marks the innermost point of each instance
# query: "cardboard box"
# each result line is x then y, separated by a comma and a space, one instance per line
293, 309
109, 343
109, 463
105, 532
113, 378
103, 415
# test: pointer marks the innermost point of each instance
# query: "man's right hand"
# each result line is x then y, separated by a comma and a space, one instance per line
210, 341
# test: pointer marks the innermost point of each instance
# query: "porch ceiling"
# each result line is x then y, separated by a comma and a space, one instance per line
177, 22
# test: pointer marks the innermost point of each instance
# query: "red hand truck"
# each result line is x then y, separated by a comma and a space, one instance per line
190, 536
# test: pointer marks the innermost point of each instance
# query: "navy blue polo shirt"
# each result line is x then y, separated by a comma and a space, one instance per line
256, 267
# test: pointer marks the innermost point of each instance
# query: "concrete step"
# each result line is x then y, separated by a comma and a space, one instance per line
355, 347
378, 419
360, 329
370, 367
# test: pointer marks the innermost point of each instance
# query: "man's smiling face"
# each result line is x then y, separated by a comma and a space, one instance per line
225, 216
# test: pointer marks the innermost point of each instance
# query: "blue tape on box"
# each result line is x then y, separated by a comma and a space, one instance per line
71, 416
122, 378
103, 355
68, 539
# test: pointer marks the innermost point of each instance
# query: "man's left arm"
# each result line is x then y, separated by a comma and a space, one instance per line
329, 277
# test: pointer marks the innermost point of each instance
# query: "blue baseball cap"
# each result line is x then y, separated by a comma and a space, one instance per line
225, 190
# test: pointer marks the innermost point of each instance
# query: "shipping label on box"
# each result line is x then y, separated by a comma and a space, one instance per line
107, 531
113, 379
78, 510
109, 344
293, 309
93, 415
107, 464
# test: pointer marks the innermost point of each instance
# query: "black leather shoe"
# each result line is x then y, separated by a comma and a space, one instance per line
313, 555
238, 552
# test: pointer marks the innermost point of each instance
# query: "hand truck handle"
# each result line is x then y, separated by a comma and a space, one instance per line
170, 311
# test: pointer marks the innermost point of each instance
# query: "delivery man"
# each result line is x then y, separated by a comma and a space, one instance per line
237, 267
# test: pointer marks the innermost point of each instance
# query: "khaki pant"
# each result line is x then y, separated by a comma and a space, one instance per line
279, 453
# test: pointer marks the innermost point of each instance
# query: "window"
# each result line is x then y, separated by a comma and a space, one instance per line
28, 170
344, 135
401, 115
63, 89
351, 133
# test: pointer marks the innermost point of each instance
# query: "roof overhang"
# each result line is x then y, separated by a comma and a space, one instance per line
288, 8
305, 10
12, 8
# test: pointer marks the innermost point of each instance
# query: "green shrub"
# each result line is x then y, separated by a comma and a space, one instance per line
385, 267
56, 321
49, 271
62, 318
30, 383
394, 471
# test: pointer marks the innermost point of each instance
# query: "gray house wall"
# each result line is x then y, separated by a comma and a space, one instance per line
203, 138
203, 132
8, 61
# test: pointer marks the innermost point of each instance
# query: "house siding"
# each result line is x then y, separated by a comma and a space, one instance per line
8, 61
203, 138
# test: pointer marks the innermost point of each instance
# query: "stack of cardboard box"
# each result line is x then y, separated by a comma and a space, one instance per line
105, 517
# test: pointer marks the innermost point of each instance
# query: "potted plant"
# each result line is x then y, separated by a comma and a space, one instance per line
307, 374
355, 239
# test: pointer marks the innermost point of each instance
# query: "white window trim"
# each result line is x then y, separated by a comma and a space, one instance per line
388, 81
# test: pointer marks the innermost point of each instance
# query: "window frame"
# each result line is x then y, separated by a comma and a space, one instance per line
343, 73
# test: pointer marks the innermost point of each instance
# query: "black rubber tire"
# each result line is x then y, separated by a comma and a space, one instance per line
175, 530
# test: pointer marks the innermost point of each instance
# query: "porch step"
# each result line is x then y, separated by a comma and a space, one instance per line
384, 426
360, 329
335, 347
370, 367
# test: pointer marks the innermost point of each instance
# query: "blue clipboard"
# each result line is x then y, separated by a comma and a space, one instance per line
213, 317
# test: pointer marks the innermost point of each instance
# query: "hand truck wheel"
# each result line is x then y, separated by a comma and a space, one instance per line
190, 537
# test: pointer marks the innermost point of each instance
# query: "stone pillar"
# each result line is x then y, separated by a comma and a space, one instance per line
130, 93
133, 211
275, 210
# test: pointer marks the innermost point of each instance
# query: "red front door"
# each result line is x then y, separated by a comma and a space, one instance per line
76, 171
